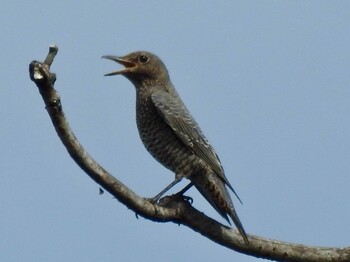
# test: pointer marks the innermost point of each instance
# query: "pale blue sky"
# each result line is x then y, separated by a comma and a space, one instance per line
268, 81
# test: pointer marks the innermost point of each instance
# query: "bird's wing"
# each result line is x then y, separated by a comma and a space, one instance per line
176, 115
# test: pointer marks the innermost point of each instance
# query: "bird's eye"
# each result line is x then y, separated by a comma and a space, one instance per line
143, 59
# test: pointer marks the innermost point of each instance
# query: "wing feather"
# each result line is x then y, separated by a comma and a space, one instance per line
176, 115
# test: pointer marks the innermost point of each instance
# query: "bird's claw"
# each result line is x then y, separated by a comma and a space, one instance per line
186, 198
177, 196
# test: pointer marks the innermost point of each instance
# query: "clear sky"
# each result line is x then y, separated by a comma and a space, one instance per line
268, 82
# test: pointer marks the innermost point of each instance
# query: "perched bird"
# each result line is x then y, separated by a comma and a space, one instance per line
172, 136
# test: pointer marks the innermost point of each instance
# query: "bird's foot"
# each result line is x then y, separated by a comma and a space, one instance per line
186, 198
153, 200
180, 196
166, 199
175, 198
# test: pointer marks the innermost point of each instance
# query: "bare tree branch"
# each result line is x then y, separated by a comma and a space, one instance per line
171, 208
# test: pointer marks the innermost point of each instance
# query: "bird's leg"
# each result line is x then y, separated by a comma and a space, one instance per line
183, 191
156, 198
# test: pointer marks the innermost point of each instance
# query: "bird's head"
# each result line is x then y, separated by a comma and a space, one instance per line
140, 66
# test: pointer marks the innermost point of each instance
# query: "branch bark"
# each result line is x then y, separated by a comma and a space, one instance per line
171, 208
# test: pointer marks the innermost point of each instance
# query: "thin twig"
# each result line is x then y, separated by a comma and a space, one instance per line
172, 208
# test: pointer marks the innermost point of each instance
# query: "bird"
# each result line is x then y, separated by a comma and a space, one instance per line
172, 136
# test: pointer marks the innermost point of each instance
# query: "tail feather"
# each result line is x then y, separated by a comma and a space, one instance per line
215, 192
233, 215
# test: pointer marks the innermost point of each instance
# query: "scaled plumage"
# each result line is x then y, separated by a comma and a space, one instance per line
171, 134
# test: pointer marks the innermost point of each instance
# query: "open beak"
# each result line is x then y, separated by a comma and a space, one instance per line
128, 65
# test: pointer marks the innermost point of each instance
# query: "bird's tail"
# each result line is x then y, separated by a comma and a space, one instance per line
216, 193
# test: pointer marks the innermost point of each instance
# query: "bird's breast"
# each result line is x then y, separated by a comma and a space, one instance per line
161, 141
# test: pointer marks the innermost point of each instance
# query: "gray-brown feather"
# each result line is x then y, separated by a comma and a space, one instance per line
175, 114
171, 135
